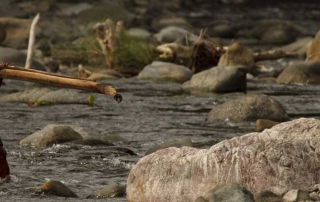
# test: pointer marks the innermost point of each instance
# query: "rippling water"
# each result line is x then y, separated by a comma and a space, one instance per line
149, 114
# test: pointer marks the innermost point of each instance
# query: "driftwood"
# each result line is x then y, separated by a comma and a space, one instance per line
31, 43
107, 35
18, 73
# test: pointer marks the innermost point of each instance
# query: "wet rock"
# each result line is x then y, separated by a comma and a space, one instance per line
313, 52
55, 188
314, 196
237, 55
105, 74
299, 47
4, 167
300, 73
267, 196
111, 190
223, 30
170, 143
218, 79
296, 195
17, 30
174, 34
140, 33
167, 22
249, 107
275, 154
277, 32
161, 71
51, 134
74, 9
47, 96
228, 193
18, 58
262, 124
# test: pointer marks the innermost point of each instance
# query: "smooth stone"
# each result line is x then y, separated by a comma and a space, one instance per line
57, 188
165, 71
249, 107
262, 124
218, 79
300, 73
296, 195
300, 46
74, 9
174, 34
111, 191
51, 134
313, 52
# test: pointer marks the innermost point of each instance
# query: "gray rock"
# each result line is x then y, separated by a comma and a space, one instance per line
140, 33
170, 143
184, 174
51, 134
53, 187
159, 24
296, 195
249, 108
278, 35
165, 71
18, 58
111, 190
174, 34
300, 73
74, 9
218, 79
228, 193
224, 30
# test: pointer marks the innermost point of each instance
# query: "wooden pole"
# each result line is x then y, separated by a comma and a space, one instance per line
17, 73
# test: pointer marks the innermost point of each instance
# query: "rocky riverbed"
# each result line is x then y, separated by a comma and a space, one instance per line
152, 112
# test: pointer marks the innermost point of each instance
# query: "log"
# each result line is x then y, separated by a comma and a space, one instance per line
18, 73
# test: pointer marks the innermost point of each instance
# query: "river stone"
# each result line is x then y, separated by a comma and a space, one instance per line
57, 188
174, 34
278, 35
218, 79
111, 190
18, 58
51, 134
158, 71
170, 143
313, 52
223, 30
262, 124
159, 24
139, 32
237, 55
300, 73
227, 193
279, 159
267, 196
249, 107
296, 195
74, 9
17, 30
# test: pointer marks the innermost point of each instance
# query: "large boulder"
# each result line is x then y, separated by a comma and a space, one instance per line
165, 71
249, 107
51, 134
218, 79
300, 73
313, 52
279, 159
227, 193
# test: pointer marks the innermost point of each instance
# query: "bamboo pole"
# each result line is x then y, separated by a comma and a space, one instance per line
18, 73
32, 38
